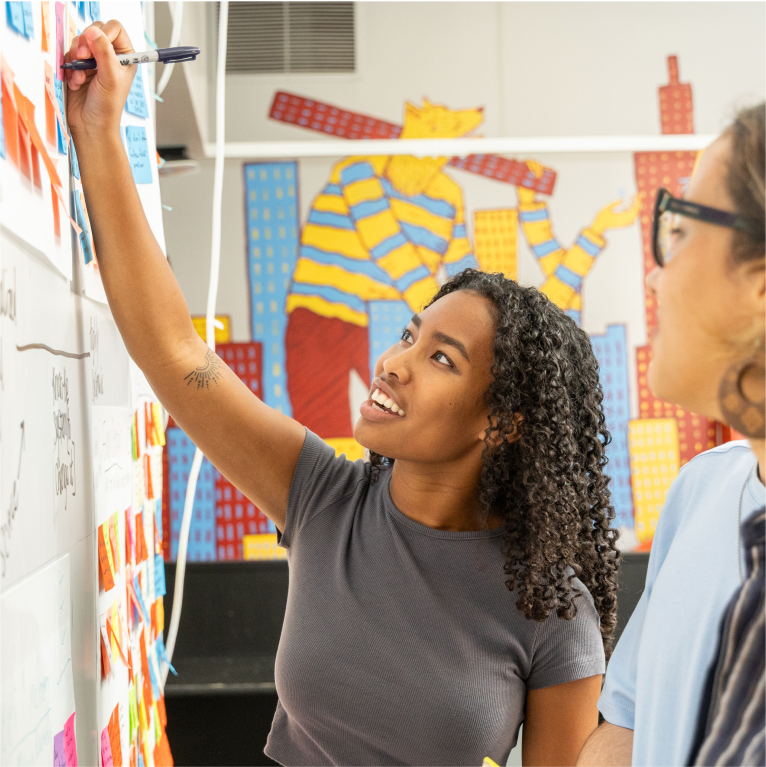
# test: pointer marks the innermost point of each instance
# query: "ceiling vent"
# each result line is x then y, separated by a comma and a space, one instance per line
308, 38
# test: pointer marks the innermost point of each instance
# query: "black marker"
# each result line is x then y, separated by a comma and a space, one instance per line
163, 55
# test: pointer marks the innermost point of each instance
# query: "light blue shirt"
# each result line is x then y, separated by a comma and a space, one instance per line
657, 673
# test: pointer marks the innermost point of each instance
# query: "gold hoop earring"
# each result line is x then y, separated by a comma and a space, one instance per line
746, 416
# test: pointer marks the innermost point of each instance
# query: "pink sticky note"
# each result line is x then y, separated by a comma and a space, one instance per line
59, 757
106, 749
70, 742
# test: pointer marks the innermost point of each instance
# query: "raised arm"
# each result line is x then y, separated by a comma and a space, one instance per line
254, 446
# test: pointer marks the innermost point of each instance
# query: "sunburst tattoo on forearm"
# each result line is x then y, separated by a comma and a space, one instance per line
209, 370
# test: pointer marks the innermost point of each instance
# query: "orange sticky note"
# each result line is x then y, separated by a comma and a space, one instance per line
145, 664
46, 25
141, 538
56, 214
162, 755
114, 737
104, 558
10, 120
149, 485
105, 665
50, 118
163, 713
26, 113
113, 545
115, 640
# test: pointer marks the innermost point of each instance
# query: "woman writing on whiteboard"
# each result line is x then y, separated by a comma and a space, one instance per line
438, 596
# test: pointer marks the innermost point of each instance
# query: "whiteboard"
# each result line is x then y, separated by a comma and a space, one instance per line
69, 397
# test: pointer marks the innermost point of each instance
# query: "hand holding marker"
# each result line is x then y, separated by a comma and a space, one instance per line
163, 55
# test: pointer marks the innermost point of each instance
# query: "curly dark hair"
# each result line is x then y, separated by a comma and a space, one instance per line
545, 476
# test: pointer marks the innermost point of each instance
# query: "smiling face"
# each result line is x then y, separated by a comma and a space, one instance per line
710, 309
438, 374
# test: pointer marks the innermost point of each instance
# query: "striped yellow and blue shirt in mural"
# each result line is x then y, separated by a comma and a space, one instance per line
564, 268
365, 241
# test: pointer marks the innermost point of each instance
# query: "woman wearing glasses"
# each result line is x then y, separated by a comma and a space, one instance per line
708, 357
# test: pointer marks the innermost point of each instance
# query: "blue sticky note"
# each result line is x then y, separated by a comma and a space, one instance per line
138, 153
73, 161
162, 655
159, 576
29, 28
95, 11
59, 86
15, 15
140, 760
81, 9
136, 103
140, 596
82, 222
157, 504
153, 679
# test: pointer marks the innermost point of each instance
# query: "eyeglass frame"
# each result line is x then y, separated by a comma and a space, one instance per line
665, 202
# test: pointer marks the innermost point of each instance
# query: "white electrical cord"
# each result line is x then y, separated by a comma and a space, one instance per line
215, 263
175, 38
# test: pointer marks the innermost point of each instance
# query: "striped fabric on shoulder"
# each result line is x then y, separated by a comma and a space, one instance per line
732, 725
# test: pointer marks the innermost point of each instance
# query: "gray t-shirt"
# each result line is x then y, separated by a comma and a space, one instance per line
401, 644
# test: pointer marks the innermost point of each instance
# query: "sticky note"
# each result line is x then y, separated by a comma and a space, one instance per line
163, 712
141, 538
87, 247
112, 536
140, 597
140, 760
45, 25
106, 666
106, 749
132, 712
95, 11
59, 86
159, 576
2, 131
59, 754
15, 14
136, 103
70, 742
162, 655
153, 677
60, 50
74, 165
162, 755
116, 518
158, 517
105, 560
160, 609
81, 9
138, 153
29, 29
114, 737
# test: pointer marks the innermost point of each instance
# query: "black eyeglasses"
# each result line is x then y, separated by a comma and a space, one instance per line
666, 206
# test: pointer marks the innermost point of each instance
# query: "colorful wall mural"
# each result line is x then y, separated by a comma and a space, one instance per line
330, 290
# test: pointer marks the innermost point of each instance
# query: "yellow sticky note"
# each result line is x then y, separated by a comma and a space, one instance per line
105, 528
